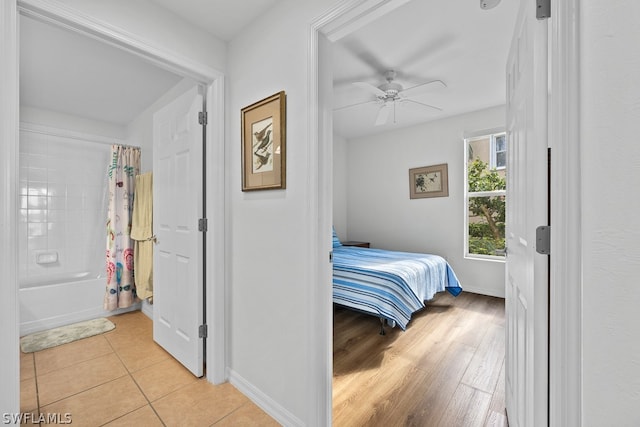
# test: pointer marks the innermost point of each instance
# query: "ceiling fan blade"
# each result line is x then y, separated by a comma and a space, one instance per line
414, 90
422, 104
370, 88
383, 115
354, 105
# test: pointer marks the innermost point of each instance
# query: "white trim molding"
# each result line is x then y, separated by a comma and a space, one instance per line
9, 307
565, 347
320, 363
216, 262
337, 22
354, 14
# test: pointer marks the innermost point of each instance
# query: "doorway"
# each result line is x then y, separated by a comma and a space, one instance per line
365, 225
78, 96
214, 90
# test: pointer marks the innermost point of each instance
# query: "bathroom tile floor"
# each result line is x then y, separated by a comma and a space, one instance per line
123, 378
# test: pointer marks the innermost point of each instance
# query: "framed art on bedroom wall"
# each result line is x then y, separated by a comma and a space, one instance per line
264, 143
428, 181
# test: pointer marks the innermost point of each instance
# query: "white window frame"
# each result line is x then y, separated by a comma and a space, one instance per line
485, 134
494, 151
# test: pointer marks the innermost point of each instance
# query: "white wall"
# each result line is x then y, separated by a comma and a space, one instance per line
380, 211
268, 234
340, 193
57, 120
139, 131
610, 95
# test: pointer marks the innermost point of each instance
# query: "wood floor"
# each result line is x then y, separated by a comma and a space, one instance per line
446, 369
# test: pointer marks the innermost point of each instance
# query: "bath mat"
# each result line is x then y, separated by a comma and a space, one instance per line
64, 334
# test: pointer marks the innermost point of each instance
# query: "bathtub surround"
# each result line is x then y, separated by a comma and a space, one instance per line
64, 334
123, 168
62, 205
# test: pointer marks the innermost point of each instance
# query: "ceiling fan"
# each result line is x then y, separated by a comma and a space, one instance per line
391, 93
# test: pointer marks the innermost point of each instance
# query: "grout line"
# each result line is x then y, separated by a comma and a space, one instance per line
35, 374
76, 363
136, 383
82, 391
232, 412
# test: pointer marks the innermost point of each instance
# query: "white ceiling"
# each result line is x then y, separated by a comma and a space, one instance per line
454, 41
450, 40
63, 71
223, 19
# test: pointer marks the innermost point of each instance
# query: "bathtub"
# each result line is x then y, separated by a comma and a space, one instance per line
58, 301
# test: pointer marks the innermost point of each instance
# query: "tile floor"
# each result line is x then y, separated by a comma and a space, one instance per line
123, 378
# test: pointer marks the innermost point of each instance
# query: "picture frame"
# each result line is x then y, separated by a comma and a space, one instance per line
264, 144
429, 181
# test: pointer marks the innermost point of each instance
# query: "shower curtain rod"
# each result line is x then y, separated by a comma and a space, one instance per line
64, 133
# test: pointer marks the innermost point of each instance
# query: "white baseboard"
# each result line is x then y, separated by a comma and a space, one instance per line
483, 291
271, 407
147, 309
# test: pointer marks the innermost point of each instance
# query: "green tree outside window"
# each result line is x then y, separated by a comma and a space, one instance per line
486, 213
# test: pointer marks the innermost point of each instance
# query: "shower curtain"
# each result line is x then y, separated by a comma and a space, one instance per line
124, 166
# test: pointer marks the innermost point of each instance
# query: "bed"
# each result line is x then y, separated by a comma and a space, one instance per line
390, 285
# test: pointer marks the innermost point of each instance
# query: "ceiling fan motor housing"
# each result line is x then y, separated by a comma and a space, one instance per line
390, 89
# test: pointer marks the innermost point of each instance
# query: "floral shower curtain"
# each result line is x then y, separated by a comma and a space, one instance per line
125, 165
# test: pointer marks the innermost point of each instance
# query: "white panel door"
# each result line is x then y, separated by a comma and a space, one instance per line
178, 260
527, 207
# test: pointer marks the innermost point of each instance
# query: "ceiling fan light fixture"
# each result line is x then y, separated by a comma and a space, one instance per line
488, 4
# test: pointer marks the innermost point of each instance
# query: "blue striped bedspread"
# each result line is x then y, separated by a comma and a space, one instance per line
389, 284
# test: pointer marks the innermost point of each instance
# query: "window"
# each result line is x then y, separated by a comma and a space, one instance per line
485, 189
498, 151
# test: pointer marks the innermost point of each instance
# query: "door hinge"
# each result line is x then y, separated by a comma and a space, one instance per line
202, 224
202, 118
543, 239
202, 331
330, 256
543, 9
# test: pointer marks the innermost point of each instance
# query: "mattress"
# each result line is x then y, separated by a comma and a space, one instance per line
389, 284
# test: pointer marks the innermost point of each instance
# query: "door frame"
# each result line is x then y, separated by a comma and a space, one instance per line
332, 25
70, 18
9, 304
565, 312
565, 387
